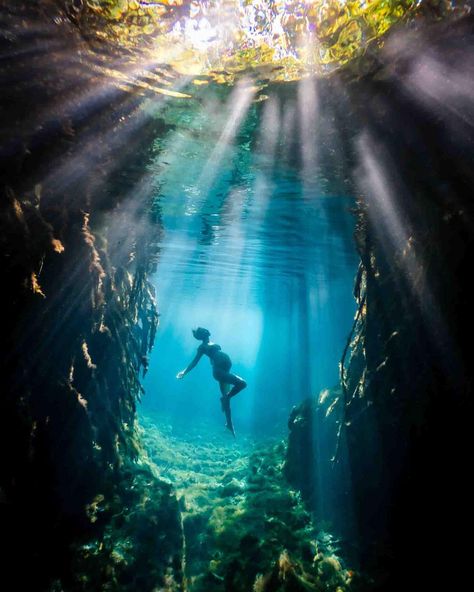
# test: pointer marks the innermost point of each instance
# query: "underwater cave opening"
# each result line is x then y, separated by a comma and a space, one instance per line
257, 245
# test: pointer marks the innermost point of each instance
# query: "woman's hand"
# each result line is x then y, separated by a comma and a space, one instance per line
180, 375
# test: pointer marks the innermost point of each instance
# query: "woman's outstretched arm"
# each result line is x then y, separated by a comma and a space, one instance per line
196, 359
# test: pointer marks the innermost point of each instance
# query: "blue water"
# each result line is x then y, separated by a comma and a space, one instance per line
267, 264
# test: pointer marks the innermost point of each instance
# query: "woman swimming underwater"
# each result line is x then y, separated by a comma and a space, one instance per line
221, 366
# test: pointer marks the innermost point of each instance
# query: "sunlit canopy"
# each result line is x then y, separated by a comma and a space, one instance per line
280, 39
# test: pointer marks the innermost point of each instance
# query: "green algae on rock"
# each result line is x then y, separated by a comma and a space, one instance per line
245, 528
139, 543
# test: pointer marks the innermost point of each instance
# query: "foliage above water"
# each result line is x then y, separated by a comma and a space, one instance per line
282, 39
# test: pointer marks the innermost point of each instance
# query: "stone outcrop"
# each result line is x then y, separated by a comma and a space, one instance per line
406, 403
78, 239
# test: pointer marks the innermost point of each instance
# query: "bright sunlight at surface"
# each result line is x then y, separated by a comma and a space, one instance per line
281, 39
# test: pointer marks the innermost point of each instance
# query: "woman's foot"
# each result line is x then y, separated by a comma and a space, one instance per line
230, 427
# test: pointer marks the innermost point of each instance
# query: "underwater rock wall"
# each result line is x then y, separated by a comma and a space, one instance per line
407, 386
404, 412
310, 465
79, 319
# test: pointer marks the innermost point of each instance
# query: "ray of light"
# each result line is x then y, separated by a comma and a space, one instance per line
237, 107
308, 111
379, 181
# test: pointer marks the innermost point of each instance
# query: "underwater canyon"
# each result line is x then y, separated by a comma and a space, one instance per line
309, 202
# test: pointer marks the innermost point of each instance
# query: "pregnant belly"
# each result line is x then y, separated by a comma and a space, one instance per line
221, 361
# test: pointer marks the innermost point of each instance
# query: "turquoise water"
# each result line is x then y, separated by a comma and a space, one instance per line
257, 246
263, 259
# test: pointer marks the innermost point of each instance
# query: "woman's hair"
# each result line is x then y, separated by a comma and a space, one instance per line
201, 333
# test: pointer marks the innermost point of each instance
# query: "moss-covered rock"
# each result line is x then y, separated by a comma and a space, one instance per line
140, 546
245, 527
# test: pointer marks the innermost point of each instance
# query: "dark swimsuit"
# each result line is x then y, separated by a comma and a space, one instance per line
220, 361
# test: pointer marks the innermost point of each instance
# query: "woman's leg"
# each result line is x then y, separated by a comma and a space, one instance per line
238, 383
224, 386
224, 390
225, 379
225, 402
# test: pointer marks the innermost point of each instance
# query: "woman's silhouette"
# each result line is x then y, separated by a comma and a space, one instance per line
221, 366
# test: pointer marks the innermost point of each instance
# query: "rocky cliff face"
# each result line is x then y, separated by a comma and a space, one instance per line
416, 240
405, 410
79, 320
